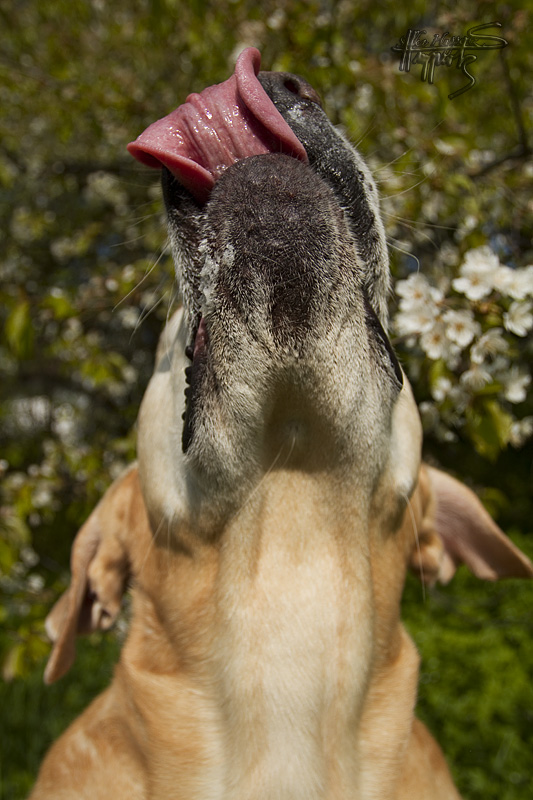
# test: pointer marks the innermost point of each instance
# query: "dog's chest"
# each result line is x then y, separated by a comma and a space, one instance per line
292, 646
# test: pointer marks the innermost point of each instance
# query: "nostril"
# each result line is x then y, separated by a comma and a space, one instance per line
301, 89
291, 85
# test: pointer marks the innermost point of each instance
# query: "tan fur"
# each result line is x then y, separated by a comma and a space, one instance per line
233, 682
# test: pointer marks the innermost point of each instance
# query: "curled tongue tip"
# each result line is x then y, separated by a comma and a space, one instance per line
248, 62
136, 150
261, 107
196, 143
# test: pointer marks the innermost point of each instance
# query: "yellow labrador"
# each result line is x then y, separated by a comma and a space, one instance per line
267, 535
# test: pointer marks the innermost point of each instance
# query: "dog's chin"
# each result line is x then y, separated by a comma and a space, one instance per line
286, 359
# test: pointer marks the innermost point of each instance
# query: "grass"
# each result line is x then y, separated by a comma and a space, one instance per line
476, 692
34, 715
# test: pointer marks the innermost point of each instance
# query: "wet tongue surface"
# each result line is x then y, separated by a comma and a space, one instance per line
212, 130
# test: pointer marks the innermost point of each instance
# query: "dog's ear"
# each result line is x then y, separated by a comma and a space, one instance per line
100, 567
456, 529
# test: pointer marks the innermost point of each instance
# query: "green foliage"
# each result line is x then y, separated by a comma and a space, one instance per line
475, 689
488, 427
19, 331
86, 285
35, 715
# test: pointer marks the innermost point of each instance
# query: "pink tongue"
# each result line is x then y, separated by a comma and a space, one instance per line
212, 130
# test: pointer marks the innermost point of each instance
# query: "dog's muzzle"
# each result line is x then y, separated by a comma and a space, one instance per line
277, 240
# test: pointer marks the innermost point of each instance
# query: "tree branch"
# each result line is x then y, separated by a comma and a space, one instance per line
523, 150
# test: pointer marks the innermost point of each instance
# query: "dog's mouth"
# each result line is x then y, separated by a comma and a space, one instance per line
223, 124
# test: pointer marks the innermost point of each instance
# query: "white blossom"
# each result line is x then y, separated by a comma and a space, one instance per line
277, 20
461, 327
416, 291
111, 284
418, 305
477, 273
519, 318
42, 497
72, 329
476, 377
436, 344
415, 320
498, 366
29, 557
515, 283
527, 273
441, 389
447, 255
521, 431
35, 582
515, 382
429, 414
446, 435
468, 224
129, 317
130, 374
490, 344
460, 399
445, 326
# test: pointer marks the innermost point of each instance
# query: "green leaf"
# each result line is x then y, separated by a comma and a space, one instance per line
60, 305
19, 331
7, 557
437, 369
489, 428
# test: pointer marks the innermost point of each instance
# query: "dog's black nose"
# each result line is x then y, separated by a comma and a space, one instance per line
276, 84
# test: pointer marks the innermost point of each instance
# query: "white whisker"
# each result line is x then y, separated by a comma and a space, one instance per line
405, 252
145, 276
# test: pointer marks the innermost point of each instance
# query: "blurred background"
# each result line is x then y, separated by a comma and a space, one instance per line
86, 284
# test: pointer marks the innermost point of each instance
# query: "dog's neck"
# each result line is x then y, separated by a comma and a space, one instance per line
280, 649
271, 604
292, 644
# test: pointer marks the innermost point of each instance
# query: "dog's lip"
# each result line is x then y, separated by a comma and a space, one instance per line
213, 129
197, 353
198, 343
200, 340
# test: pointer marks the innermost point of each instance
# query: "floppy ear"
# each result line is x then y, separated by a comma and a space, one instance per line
100, 567
456, 529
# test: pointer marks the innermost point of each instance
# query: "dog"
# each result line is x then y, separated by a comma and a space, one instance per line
279, 496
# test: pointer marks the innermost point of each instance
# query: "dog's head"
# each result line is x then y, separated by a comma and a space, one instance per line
282, 262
